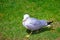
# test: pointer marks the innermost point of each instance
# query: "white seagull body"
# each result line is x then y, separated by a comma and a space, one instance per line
33, 23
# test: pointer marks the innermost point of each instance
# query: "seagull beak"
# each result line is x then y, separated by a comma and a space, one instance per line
25, 19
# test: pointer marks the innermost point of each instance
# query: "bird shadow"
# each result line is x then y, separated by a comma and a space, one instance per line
40, 30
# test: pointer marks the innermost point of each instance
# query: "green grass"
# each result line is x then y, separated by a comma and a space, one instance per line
11, 15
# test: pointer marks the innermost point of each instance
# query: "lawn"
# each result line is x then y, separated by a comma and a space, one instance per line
11, 15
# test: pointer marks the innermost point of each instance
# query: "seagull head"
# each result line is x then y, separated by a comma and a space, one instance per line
26, 16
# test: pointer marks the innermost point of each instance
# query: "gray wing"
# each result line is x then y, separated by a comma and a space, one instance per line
38, 23
43, 22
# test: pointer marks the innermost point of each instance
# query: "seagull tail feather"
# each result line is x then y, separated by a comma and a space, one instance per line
48, 23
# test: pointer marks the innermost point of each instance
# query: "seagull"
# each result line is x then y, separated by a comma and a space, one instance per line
33, 23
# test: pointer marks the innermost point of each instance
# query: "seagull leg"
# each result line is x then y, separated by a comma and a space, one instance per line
29, 34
